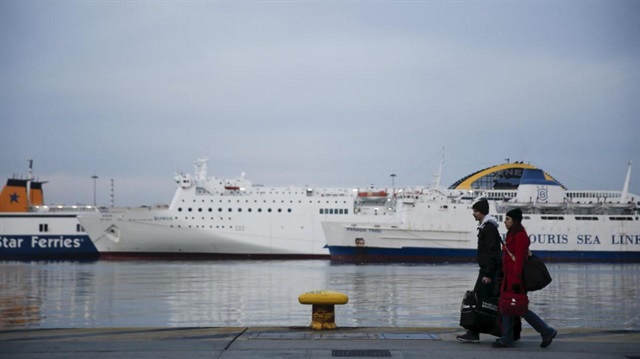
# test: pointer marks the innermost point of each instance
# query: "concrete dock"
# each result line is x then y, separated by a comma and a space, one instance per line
302, 342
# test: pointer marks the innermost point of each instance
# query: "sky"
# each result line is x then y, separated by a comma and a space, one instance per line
315, 93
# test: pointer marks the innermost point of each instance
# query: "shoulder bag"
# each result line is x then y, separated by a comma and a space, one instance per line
535, 274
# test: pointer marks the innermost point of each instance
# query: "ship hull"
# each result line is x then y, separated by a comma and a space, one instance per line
349, 254
607, 239
54, 236
156, 233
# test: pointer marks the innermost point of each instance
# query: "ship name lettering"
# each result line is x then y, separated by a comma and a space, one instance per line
625, 239
59, 242
546, 238
588, 239
356, 229
375, 230
10, 242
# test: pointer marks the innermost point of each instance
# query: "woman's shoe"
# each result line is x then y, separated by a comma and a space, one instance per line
547, 341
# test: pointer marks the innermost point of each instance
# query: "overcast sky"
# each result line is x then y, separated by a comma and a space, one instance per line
323, 93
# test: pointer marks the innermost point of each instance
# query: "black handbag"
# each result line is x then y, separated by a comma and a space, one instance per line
479, 313
535, 274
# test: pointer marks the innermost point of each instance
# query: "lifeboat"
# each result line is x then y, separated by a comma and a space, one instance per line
231, 188
545, 205
372, 194
585, 205
521, 205
619, 205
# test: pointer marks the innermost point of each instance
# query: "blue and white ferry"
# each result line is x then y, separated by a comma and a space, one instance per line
31, 230
436, 224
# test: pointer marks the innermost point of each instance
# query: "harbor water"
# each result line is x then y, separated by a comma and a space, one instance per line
100, 294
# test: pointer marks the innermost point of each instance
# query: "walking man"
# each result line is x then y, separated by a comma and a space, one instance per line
488, 257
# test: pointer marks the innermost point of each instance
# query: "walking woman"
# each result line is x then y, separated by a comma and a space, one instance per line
515, 252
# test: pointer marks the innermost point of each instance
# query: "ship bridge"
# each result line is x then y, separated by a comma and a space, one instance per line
504, 176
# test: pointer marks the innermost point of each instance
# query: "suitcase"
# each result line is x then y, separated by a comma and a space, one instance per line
479, 314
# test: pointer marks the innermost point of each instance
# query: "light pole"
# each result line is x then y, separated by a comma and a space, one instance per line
94, 189
393, 182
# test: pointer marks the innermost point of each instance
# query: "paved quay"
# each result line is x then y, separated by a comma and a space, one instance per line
302, 342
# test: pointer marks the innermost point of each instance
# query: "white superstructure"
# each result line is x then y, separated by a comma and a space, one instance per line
210, 217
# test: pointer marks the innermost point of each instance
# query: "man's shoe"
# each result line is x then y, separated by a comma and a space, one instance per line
499, 344
469, 338
547, 341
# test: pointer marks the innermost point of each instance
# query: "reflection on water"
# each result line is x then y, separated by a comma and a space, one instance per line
256, 293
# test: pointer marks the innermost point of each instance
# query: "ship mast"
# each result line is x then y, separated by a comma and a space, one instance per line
438, 175
625, 187
29, 177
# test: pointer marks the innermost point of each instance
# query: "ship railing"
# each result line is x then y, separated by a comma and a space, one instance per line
63, 208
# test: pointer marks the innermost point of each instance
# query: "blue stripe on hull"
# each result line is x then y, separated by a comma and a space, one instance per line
47, 247
439, 255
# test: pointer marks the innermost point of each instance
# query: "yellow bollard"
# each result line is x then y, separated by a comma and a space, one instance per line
323, 307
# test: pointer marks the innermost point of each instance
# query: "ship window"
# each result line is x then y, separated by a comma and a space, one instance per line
79, 228
210, 209
279, 210
230, 210
560, 218
219, 209
289, 210
259, 209
44, 227
346, 211
239, 209
249, 210
269, 210
180, 209
199, 209
321, 211
189, 209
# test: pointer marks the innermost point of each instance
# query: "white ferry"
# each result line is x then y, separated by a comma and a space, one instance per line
211, 217
29, 229
436, 225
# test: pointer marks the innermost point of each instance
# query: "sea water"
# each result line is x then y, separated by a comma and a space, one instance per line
99, 294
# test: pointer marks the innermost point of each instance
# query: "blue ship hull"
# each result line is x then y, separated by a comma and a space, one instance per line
352, 254
31, 247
